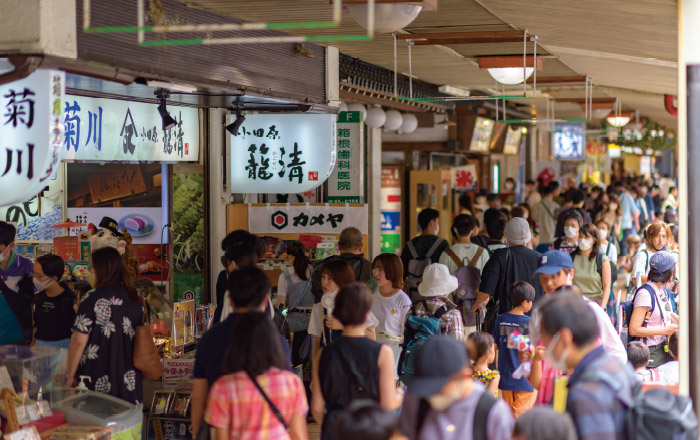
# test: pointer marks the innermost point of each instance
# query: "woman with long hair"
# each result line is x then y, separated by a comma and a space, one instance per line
257, 397
102, 344
54, 312
353, 367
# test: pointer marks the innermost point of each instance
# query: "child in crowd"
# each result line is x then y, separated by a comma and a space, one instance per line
634, 242
543, 423
367, 420
638, 354
482, 352
670, 371
518, 393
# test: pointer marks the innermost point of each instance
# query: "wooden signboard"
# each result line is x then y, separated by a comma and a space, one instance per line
116, 182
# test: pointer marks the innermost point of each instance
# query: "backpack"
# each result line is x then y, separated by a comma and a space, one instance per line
469, 278
481, 413
418, 330
416, 266
628, 306
655, 414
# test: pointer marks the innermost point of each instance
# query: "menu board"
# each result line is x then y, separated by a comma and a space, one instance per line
513, 138
481, 137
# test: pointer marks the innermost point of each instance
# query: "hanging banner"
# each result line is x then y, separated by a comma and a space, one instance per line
391, 209
104, 130
306, 219
283, 153
31, 132
464, 178
568, 141
547, 170
346, 184
144, 224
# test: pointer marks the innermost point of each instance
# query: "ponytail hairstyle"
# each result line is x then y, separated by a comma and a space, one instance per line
301, 261
53, 266
480, 344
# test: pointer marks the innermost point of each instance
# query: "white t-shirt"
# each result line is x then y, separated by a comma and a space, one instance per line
391, 312
641, 263
611, 251
465, 252
318, 315
669, 373
282, 282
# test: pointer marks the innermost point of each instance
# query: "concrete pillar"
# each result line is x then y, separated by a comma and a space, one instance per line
38, 27
374, 185
219, 196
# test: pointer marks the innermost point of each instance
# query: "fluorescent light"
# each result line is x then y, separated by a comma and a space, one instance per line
454, 91
510, 75
183, 88
618, 121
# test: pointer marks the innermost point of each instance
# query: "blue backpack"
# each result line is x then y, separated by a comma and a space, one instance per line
628, 307
418, 330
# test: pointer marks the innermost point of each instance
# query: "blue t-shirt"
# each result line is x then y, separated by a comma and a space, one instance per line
508, 360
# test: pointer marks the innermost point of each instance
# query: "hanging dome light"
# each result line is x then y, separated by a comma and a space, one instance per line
357, 107
409, 124
343, 107
600, 113
375, 117
618, 121
510, 75
388, 17
393, 120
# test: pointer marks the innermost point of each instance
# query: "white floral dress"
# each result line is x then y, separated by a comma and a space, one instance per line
108, 317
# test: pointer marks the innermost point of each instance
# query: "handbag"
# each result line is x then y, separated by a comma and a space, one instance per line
145, 356
269, 402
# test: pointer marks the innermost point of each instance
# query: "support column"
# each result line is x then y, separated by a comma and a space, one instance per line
218, 196
374, 185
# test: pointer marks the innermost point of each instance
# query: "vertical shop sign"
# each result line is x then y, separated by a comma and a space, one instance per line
391, 209
464, 178
346, 184
31, 132
282, 153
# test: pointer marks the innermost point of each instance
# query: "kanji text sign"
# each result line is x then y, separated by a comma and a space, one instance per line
31, 134
306, 219
283, 153
346, 183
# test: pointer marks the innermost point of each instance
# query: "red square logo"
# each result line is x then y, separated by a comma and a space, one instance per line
313, 176
394, 198
187, 148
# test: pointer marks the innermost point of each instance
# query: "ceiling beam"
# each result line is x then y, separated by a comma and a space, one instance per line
509, 61
583, 100
558, 79
485, 40
428, 5
438, 35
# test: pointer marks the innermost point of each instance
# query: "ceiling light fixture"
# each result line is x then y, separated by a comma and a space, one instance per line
509, 69
168, 121
510, 75
236, 125
388, 17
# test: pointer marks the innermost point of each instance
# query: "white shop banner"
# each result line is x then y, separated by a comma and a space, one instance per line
306, 219
282, 153
104, 130
31, 134
464, 178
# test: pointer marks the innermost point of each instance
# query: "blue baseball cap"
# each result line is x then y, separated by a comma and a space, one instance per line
661, 261
436, 361
552, 262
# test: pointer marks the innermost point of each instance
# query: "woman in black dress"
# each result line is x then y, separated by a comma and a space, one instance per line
102, 344
353, 367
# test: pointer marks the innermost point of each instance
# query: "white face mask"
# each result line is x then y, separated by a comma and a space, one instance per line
42, 285
559, 364
570, 231
437, 229
613, 206
585, 244
440, 403
4, 256
509, 185
603, 234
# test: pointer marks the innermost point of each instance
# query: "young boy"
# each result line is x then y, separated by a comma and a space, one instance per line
669, 372
518, 393
638, 354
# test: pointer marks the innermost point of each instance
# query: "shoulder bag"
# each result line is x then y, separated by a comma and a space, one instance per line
274, 409
146, 357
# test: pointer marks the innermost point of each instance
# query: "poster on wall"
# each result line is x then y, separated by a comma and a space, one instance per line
306, 219
99, 129
514, 137
568, 141
144, 224
283, 153
464, 178
346, 183
547, 170
481, 137
391, 209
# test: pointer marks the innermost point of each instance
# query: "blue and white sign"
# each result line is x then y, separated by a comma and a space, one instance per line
391, 221
569, 141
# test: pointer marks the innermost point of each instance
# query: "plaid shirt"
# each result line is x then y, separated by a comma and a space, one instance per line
450, 322
237, 405
600, 391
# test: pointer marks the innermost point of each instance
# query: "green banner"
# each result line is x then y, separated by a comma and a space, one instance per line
391, 242
350, 117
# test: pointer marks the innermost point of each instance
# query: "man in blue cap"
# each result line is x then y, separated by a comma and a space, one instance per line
444, 402
556, 272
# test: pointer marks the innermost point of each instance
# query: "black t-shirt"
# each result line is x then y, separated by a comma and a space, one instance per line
54, 317
209, 360
521, 267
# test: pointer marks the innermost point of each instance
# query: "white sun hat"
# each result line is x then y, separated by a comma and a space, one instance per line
437, 281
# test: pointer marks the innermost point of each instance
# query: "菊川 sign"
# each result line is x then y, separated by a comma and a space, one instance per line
31, 134
283, 153
100, 129
346, 183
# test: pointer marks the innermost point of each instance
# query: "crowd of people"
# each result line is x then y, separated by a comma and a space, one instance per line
468, 338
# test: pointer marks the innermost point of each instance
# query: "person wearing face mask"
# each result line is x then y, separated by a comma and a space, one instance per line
592, 269
600, 388
576, 199
572, 224
16, 290
652, 317
656, 239
444, 402
606, 244
54, 312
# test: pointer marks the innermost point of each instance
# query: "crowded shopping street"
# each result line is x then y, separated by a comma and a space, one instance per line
349, 220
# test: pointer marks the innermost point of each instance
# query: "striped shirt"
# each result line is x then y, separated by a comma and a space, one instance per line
600, 392
237, 405
450, 322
